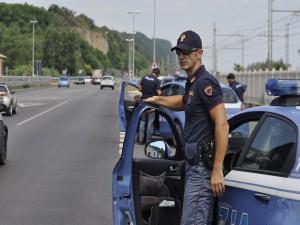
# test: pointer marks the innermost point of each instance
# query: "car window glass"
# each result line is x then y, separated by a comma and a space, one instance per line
173, 90
239, 136
2, 89
141, 143
229, 96
271, 146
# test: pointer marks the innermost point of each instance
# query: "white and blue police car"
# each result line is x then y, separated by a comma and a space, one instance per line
261, 168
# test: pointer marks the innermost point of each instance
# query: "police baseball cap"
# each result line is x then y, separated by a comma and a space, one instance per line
188, 40
231, 76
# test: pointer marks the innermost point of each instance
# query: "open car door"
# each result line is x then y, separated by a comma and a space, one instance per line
128, 99
148, 180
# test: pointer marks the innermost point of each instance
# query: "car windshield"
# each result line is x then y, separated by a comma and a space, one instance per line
107, 78
63, 78
229, 96
3, 89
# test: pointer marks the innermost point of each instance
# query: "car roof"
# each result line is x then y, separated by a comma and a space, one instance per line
291, 112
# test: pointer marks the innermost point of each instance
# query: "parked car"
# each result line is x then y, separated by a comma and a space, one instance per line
8, 100
80, 80
179, 77
261, 168
166, 79
161, 127
63, 81
108, 81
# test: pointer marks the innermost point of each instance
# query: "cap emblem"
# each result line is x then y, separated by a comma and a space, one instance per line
182, 37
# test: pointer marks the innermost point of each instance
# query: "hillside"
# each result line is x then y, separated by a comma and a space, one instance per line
66, 41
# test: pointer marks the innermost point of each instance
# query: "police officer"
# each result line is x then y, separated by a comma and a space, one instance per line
205, 119
149, 87
238, 88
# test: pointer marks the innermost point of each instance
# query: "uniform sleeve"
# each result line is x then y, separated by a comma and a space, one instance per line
210, 93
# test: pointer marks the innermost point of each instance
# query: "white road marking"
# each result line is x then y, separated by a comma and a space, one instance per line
25, 121
30, 104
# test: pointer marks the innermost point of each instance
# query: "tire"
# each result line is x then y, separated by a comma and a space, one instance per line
113, 88
14, 111
9, 111
3, 145
180, 131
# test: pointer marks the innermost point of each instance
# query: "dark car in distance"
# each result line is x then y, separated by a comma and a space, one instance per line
80, 80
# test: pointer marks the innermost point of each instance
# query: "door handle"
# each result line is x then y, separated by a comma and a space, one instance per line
262, 197
173, 169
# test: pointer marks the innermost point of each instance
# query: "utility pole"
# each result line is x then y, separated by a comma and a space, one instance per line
214, 53
270, 32
33, 22
215, 48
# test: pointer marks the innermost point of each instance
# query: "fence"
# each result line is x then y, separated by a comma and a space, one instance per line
255, 81
19, 81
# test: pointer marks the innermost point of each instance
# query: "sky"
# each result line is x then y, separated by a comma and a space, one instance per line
241, 25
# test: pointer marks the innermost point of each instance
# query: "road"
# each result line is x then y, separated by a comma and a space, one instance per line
62, 147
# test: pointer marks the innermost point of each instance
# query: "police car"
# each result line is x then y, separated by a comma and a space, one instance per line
261, 167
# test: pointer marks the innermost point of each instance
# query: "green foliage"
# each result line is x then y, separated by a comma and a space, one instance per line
264, 65
238, 68
59, 42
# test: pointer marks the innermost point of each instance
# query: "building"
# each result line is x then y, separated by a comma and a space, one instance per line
2, 57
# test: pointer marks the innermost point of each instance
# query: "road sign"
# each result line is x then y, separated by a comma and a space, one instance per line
154, 64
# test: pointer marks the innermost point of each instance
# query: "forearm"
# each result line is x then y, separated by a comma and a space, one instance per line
171, 102
221, 137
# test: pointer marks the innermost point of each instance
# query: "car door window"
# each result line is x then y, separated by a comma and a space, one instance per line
140, 145
173, 90
271, 146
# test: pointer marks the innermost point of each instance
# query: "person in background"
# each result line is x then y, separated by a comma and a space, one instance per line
238, 88
205, 122
149, 87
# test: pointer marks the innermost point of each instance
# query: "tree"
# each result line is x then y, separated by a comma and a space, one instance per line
238, 68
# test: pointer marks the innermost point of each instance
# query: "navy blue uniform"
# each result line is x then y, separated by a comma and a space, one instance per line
202, 94
239, 89
150, 84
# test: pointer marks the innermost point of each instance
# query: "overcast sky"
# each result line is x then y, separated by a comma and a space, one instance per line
247, 18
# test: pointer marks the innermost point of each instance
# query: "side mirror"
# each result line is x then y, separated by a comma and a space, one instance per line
157, 149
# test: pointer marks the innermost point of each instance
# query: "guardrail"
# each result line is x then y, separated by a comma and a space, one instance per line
21, 81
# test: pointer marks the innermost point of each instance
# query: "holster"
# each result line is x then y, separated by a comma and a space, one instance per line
195, 152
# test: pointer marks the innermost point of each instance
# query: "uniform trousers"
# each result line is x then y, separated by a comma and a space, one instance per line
198, 198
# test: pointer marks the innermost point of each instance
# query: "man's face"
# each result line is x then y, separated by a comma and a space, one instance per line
189, 62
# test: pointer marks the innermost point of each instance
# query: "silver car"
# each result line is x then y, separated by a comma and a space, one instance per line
8, 100
108, 81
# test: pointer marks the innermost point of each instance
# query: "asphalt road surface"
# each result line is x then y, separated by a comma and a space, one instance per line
62, 147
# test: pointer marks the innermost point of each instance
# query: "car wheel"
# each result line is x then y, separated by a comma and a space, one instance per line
180, 131
9, 111
3, 145
101, 88
14, 111
113, 88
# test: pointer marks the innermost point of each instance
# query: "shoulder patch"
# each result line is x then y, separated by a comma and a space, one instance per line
208, 90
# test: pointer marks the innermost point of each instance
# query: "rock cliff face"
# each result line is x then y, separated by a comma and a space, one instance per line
97, 39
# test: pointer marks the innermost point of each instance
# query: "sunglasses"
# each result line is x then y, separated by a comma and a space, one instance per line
185, 52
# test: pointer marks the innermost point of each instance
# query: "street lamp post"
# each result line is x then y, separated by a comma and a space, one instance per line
133, 32
33, 22
129, 55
